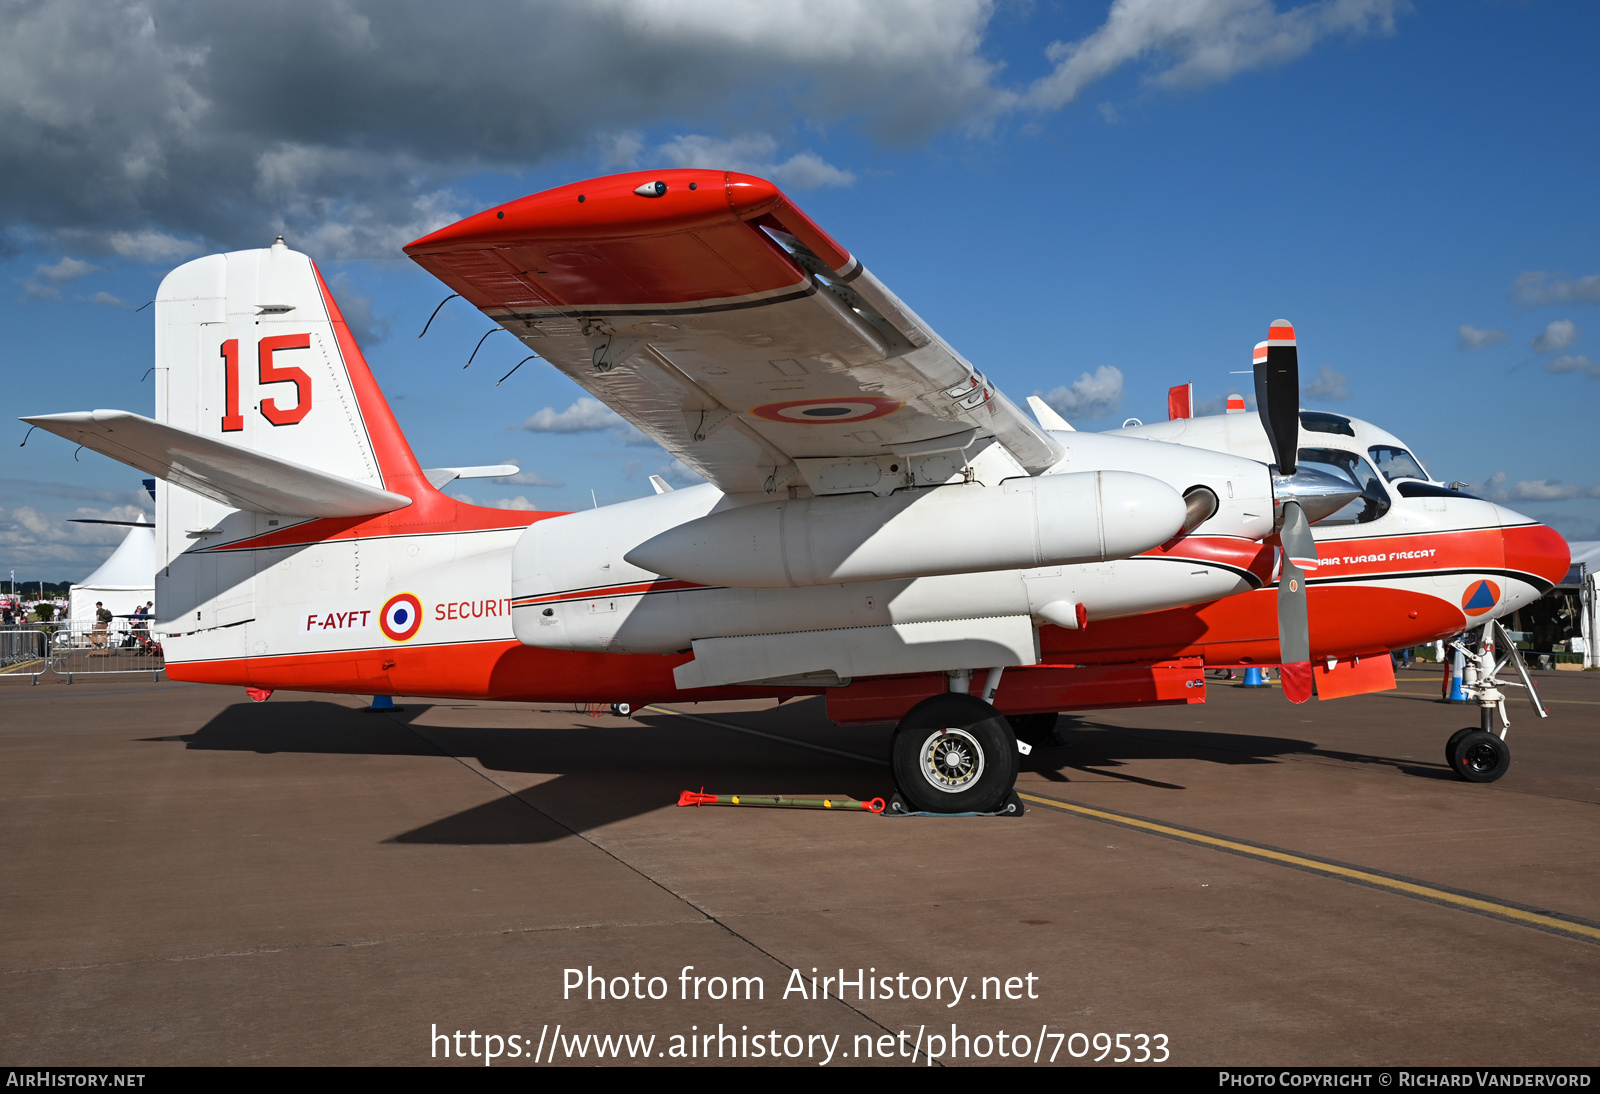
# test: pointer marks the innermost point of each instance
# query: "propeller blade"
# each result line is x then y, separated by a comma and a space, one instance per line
1294, 624
1277, 369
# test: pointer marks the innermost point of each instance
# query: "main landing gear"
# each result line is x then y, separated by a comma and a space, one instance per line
1481, 755
954, 753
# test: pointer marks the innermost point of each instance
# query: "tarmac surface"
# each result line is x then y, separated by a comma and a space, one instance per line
193, 878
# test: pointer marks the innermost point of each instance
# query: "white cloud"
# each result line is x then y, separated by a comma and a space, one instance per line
527, 478
1090, 396
620, 149
368, 328
1469, 337
678, 474
754, 154
153, 129
107, 300
35, 538
68, 269
149, 245
1534, 288
1534, 489
586, 415
1555, 337
1575, 363
1329, 385
46, 280
1195, 42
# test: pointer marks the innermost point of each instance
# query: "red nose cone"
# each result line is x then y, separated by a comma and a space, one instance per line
1537, 549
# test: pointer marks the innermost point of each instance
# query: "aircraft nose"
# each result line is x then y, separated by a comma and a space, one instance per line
1536, 549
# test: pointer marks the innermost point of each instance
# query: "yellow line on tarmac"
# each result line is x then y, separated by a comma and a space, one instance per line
1409, 888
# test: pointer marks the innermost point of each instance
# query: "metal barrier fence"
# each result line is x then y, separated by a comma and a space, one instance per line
24, 651
123, 645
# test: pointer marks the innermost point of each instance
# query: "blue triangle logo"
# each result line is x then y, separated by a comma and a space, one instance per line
1482, 598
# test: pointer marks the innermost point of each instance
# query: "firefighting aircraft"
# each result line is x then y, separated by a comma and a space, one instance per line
879, 524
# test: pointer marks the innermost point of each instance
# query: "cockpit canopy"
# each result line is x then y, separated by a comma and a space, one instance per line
1377, 462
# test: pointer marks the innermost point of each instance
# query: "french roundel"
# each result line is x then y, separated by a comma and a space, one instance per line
853, 408
1480, 597
401, 617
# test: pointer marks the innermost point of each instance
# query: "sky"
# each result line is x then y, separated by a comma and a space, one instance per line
1092, 201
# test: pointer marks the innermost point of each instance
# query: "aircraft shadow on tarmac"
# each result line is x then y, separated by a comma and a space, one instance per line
1100, 749
599, 771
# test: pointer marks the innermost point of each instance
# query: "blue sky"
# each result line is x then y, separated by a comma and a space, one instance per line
1091, 201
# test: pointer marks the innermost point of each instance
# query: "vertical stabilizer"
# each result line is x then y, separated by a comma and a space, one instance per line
252, 350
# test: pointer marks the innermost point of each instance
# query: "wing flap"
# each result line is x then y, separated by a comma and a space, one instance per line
225, 473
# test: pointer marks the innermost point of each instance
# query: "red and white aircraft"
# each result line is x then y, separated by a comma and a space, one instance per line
879, 523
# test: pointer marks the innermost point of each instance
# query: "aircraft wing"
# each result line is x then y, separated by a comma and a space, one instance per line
234, 476
716, 317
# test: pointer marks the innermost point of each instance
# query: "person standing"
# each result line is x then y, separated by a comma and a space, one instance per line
102, 627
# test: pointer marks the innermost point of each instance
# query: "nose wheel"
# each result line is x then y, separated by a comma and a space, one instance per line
1478, 757
954, 753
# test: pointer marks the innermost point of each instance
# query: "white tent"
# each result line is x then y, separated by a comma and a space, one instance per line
123, 582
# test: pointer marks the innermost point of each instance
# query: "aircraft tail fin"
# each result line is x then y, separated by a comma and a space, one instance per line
252, 352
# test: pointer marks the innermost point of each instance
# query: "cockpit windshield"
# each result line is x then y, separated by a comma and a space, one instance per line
1396, 463
1374, 499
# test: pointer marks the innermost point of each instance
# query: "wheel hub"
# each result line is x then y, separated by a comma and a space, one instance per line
1481, 757
952, 760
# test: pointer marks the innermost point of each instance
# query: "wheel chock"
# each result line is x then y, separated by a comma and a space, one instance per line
769, 801
1011, 807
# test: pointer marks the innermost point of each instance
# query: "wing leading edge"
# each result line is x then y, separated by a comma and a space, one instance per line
721, 321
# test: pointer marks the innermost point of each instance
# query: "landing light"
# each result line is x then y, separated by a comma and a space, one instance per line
651, 189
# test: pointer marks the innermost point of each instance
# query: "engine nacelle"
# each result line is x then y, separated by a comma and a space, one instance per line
1049, 520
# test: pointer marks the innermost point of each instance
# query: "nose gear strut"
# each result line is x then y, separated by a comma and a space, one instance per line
1482, 754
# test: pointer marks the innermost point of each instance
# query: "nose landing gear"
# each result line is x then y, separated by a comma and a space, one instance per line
1478, 757
1482, 755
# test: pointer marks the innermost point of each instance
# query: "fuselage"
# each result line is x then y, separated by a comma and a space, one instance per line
426, 606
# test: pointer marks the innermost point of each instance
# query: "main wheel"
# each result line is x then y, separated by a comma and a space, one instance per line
954, 753
1450, 745
1480, 757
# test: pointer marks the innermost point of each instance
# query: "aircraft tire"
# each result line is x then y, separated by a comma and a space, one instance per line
1480, 757
1450, 745
954, 753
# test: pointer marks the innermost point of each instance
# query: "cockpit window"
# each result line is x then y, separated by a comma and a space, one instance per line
1396, 463
1317, 422
1374, 499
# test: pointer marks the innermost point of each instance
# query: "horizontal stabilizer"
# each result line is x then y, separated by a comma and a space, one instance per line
1048, 417
234, 476
441, 477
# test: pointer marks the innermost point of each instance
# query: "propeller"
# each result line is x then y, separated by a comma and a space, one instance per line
1277, 369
